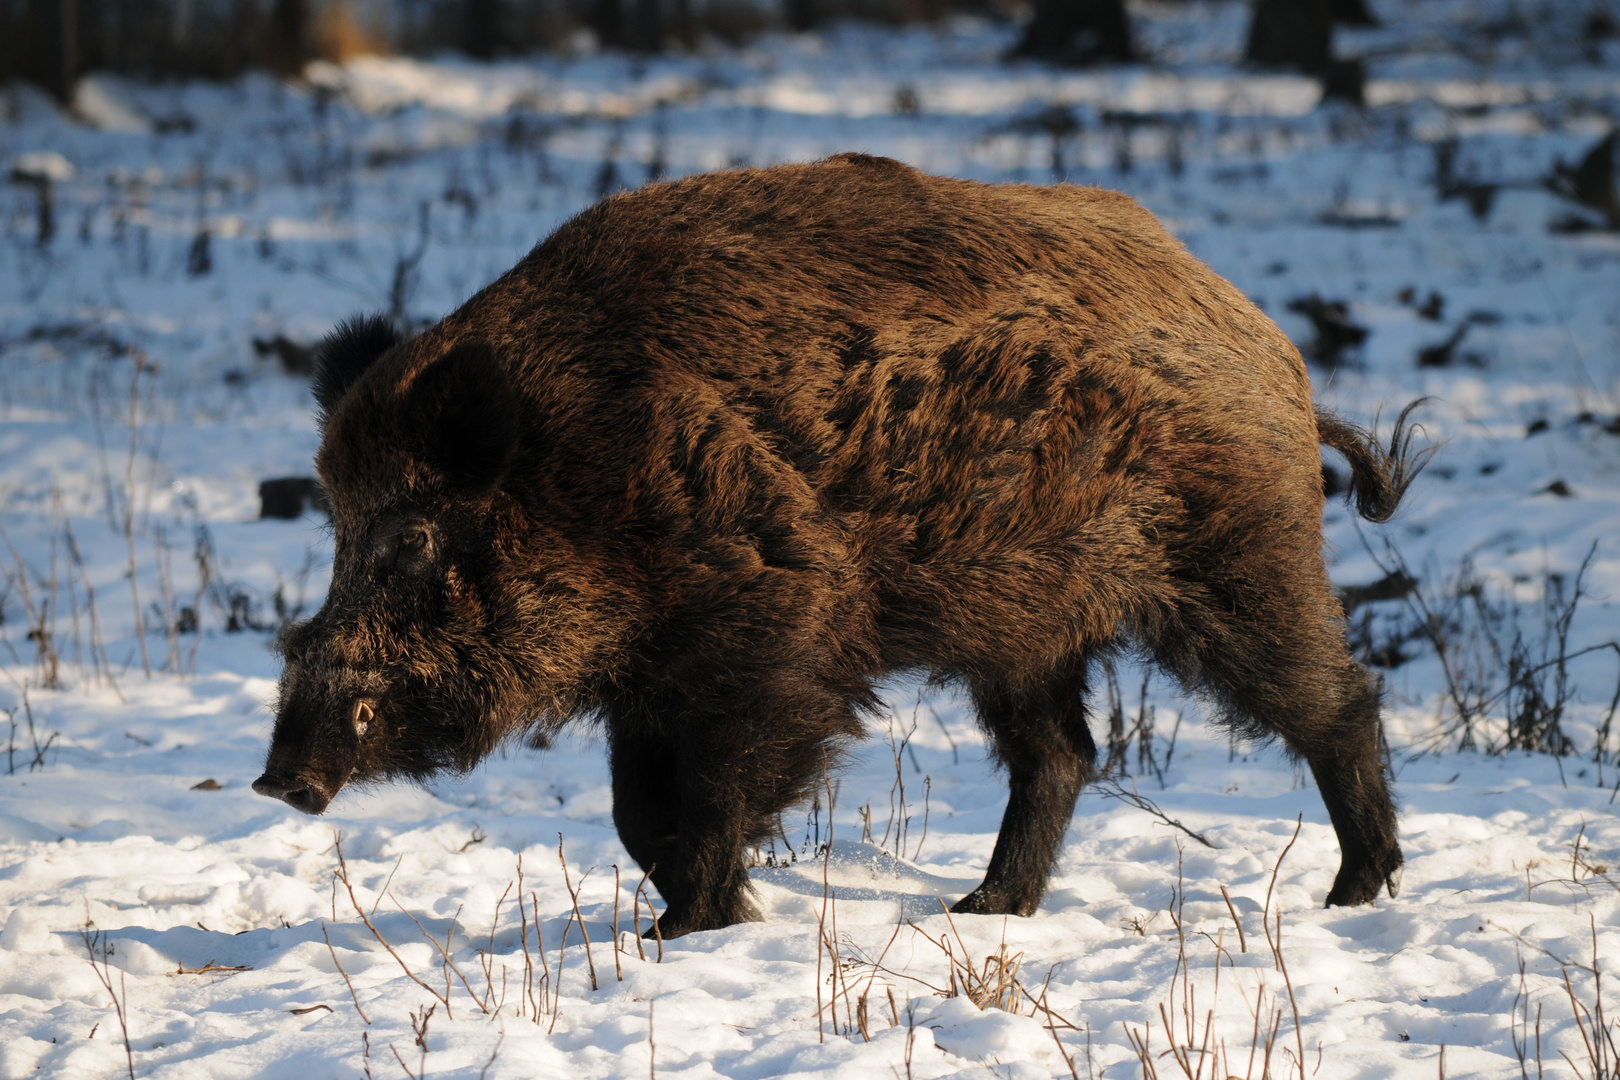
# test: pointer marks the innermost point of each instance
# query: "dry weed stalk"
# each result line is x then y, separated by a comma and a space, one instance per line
41, 617
911, 1034
486, 959
994, 984
635, 910
1042, 1006
1276, 945
1597, 1031
1197, 1050
618, 968
493, 1054
95, 943
202, 552
142, 365
821, 919
1141, 731
562, 951
1243, 946
573, 896
37, 761
658, 931
99, 661
167, 603
862, 1020
539, 996
1110, 788
548, 996
1187, 1007
346, 982
342, 875
448, 964
1504, 689
538, 1005
899, 824
828, 942
1519, 1030
210, 968
419, 1027
928, 792
898, 818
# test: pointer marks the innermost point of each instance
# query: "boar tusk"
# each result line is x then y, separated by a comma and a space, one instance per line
362, 718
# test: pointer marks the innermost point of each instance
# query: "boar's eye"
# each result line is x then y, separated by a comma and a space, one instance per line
411, 548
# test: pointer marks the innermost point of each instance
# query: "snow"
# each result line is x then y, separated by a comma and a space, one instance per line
42, 165
188, 220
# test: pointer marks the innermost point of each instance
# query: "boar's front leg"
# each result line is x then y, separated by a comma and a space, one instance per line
646, 798
681, 812
1041, 737
694, 787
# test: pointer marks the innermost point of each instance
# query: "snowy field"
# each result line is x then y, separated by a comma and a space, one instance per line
166, 257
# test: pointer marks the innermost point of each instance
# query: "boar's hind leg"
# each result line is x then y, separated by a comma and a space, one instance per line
1040, 735
1352, 776
1283, 668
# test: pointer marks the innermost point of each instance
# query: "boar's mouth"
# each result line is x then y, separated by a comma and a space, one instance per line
307, 770
297, 792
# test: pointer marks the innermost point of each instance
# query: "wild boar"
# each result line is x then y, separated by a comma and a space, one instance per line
720, 453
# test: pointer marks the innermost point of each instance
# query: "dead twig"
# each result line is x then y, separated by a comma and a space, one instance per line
211, 968
95, 942
449, 964
342, 874
352, 995
1110, 788
573, 895
1242, 945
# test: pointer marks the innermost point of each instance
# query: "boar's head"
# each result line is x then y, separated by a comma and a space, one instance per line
454, 618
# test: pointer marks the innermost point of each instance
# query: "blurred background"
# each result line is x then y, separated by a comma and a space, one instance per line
53, 42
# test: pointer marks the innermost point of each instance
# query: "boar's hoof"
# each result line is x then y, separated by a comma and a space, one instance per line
1361, 883
676, 924
983, 901
298, 795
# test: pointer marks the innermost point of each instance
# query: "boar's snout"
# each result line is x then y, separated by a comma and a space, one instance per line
327, 734
295, 793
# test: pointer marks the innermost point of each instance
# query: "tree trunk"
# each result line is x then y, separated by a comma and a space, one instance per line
1292, 33
1077, 32
286, 41
41, 44
607, 20
1353, 13
803, 15
482, 30
645, 33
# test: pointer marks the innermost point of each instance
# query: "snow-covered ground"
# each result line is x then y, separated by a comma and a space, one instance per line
188, 220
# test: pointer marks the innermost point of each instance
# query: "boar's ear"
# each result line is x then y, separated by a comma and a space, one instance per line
463, 408
345, 355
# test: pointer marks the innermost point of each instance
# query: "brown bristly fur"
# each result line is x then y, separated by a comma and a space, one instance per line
721, 453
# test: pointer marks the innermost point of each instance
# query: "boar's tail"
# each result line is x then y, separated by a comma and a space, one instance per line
1379, 476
